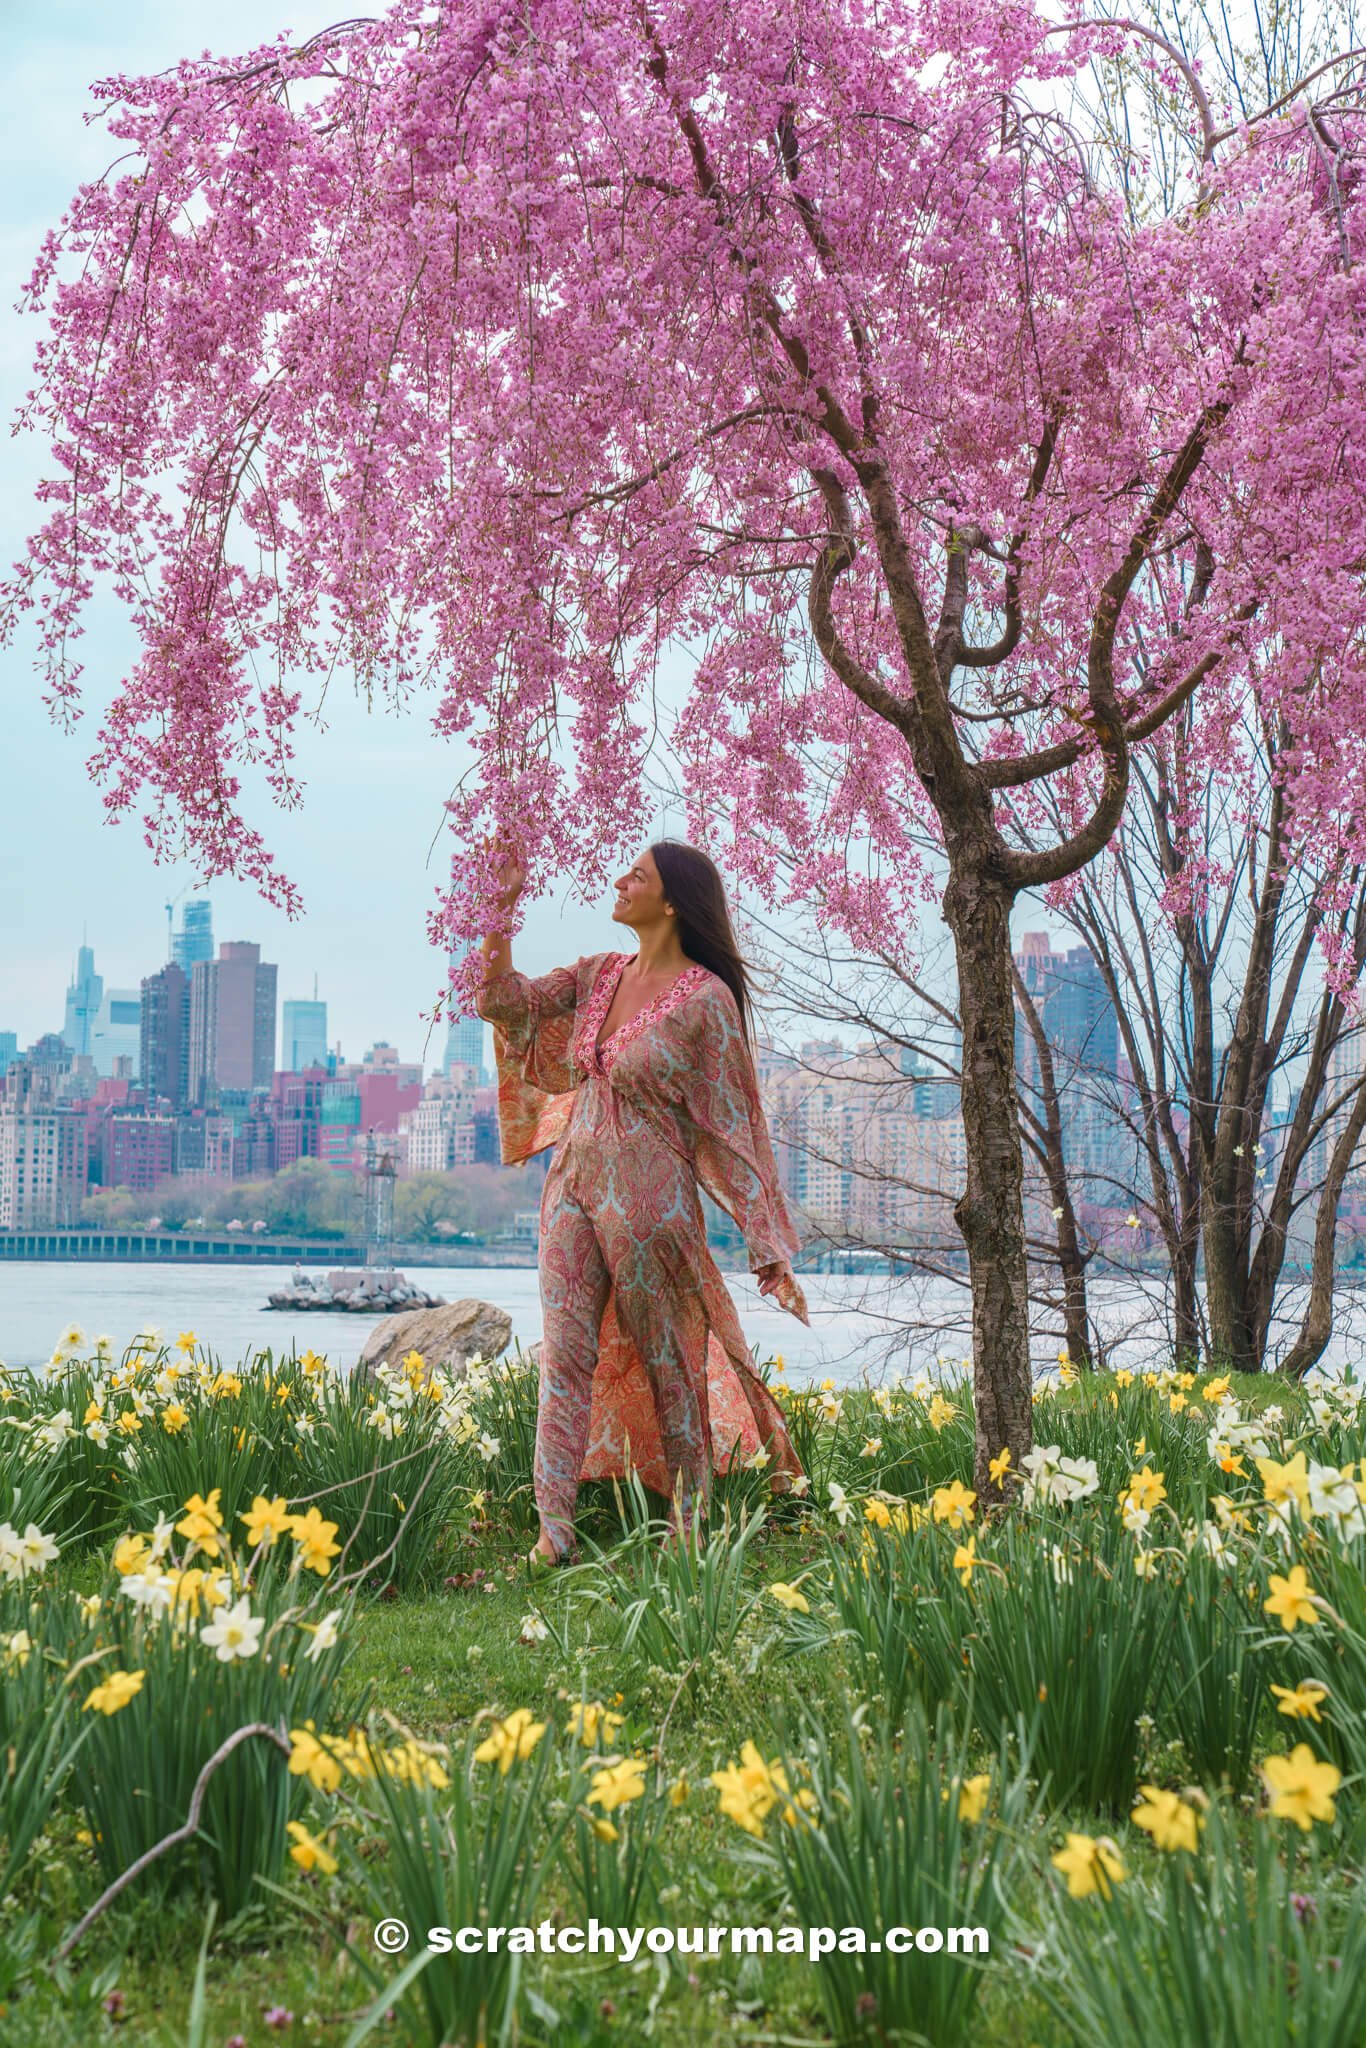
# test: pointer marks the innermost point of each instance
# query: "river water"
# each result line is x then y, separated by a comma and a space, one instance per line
862, 1326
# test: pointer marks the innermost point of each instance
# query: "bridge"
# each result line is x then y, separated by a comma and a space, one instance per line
176, 1248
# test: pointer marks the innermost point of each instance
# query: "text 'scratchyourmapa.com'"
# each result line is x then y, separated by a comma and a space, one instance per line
596, 1939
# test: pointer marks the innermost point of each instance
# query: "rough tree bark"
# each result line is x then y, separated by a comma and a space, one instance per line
1046, 1121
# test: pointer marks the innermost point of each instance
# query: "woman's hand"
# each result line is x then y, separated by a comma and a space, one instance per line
512, 874
771, 1277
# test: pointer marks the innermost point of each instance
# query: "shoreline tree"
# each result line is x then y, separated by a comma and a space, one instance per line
501, 349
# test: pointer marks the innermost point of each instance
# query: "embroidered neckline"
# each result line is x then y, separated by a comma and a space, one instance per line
599, 1059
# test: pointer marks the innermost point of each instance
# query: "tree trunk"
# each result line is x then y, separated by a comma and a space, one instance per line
1047, 1122
990, 1212
1231, 1341
1316, 1325
1186, 1332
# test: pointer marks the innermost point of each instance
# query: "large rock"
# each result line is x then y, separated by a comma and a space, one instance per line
448, 1337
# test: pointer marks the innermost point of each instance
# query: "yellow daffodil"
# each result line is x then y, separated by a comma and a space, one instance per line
618, 1784
202, 1520
965, 1560
114, 1692
510, 1741
788, 1596
314, 1537
1145, 1490
998, 1466
1168, 1819
1124, 1378
130, 1555
174, 1418
1291, 1599
591, 1722
678, 1791
750, 1789
939, 1412
1301, 1787
1090, 1864
1216, 1390
1301, 1702
314, 1759
308, 1852
266, 1520
953, 1504
1287, 1482
972, 1797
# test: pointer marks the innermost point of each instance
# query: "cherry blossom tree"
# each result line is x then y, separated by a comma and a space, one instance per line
496, 349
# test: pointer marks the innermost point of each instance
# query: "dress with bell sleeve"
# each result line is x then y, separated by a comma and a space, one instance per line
533, 1019
731, 1148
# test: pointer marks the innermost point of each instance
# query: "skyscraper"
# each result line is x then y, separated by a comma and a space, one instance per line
303, 1036
194, 940
83, 999
165, 1053
232, 1023
464, 1035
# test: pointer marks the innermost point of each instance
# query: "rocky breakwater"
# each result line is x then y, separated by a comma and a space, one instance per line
362, 1290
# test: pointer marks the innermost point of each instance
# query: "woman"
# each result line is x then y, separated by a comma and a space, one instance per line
638, 1069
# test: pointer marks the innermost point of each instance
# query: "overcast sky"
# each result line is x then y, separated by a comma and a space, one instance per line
369, 848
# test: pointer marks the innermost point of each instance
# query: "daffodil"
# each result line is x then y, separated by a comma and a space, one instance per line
1090, 1864
266, 1520
314, 1537
998, 1466
202, 1520
1146, 1489
1286, 1483
324, 1635
953, 1504
308, 1852
114, 1692
1301, 1787
510, 1741
965, 1560
315, 1759
618, 1784
1301, 1702
236, 1634
590, 1722
1291, 1599
788, 1596
1168, 1819
972, 1797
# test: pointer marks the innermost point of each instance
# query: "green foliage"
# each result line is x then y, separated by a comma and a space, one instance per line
1227, 1949
878, 1835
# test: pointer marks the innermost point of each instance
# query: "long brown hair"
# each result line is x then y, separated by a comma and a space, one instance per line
692, 884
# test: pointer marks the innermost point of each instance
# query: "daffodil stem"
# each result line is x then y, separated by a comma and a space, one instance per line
184, 1833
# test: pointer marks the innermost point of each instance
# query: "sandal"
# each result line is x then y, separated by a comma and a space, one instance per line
539, 1566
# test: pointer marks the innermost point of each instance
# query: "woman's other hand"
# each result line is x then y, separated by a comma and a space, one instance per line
770, 1278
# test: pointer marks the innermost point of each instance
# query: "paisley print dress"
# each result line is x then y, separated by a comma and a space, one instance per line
644, 1365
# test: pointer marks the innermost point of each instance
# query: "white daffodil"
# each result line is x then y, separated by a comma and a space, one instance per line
324, 1636
235, 1634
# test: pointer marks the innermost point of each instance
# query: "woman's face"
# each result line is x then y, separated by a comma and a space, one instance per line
639, 898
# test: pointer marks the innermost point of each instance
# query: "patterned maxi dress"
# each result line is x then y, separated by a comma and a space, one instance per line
643, 1361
